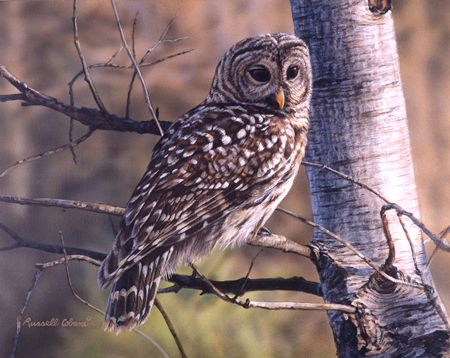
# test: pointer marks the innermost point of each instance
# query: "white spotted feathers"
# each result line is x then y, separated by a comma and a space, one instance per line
216, 175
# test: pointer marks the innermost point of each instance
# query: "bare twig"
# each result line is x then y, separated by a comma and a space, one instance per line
162, 39
171, 328
247, 276
441, 242
441, 235
22, 310
138, 70
133, 32
66, 266
391, 257
350, 247
12, 97
87, 77
49, 152
346, 177
62, 261
152, 341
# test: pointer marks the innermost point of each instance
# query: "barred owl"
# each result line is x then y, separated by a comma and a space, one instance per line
216, 175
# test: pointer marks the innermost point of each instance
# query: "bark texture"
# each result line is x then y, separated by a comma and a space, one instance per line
358, 126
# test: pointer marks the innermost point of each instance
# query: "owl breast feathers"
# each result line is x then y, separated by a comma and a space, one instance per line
216, 175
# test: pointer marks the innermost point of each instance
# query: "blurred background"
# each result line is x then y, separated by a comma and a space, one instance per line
36, 45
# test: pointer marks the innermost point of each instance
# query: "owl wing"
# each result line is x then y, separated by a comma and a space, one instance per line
210, 162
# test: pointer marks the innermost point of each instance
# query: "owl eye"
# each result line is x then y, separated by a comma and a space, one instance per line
292, 72
260, 74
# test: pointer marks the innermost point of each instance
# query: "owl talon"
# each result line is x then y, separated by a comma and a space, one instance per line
264, 232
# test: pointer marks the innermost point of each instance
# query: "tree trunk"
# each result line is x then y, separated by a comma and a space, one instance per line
358, 127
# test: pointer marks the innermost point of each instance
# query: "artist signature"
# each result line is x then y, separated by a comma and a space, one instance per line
55, 322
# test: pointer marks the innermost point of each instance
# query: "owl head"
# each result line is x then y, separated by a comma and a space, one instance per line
271, 70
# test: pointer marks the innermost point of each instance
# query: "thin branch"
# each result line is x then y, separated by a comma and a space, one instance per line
346, 177
152, 341
274, 305
350, 247
279, 242
66, 266
49, 152
247, 275
108, 64
87, 77
62, 261
441, 235
133, 32
149, 51
441, 242
411, 244
171, 328
36, 277
97, 207
391, 257
12, 97
141, 78
22, 242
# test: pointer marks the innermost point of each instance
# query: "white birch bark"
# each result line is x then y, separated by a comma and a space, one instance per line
358, 126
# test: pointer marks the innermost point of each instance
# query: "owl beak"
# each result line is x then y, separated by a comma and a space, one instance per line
280, 97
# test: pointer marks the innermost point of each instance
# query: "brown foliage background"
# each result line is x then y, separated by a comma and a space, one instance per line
36, 45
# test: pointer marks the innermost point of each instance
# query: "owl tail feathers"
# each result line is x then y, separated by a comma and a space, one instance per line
133, 293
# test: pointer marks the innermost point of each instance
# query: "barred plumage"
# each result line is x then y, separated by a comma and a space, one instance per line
216, 175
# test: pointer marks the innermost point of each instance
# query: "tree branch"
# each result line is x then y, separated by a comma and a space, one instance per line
279, 242
273, 305
235, 286
97, 207
55, 249
137, 69
90, 117
87, 76
71, 145
36, 277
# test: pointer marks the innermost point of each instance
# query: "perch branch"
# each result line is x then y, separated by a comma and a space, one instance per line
279, 242
291, 284
274, 305
262, 240
236, 287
